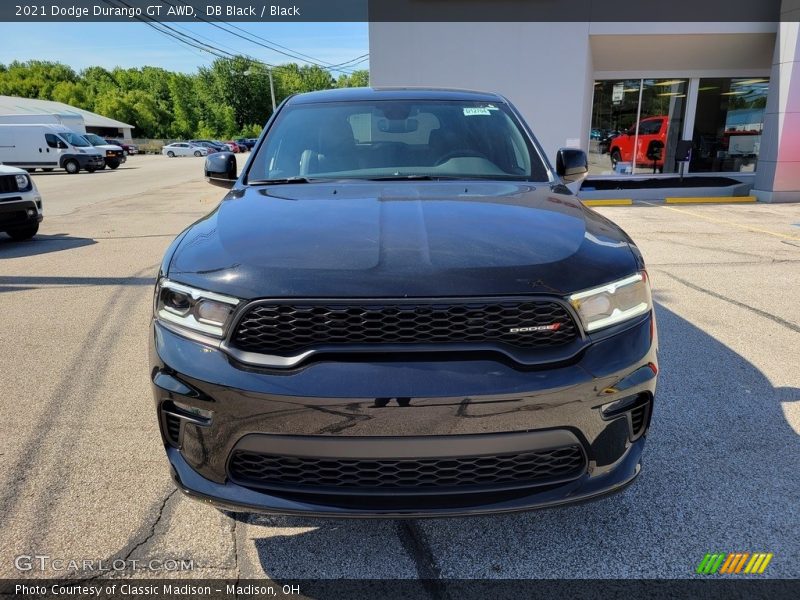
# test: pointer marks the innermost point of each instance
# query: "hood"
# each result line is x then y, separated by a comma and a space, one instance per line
113, 147
401, 239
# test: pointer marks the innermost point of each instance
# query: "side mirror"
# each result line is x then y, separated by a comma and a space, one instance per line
61, 145
221, 170
572, 165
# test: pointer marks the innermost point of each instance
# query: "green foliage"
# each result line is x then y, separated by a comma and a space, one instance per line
230, 98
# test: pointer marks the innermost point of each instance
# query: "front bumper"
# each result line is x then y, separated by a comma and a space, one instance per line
90, 160
20, 211
408, 409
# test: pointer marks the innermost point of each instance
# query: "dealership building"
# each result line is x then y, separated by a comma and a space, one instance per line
719, 100
92, 122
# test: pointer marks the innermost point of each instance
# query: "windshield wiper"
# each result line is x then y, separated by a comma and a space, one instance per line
297, 179
415, 178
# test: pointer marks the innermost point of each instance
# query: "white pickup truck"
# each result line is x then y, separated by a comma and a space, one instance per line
20, 203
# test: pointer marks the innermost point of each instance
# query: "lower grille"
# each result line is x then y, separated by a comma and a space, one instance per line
172, 428
280, 328
457, 474
639, 418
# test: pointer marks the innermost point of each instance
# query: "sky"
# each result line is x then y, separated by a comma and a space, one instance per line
109, 45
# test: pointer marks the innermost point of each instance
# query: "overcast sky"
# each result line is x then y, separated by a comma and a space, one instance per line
108, 45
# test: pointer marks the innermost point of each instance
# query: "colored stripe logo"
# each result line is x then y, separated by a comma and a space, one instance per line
734, 563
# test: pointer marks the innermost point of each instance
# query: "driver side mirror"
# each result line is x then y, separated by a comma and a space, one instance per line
572, 165
221, 170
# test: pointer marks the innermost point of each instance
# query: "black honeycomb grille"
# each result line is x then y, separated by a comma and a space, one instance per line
289, 328
318, 474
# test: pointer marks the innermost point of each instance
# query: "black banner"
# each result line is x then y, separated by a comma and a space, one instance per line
711, 588
396, 10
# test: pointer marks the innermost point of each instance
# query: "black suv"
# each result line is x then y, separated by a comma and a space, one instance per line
400, 309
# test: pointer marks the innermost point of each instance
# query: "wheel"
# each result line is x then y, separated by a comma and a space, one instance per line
171, 154
615, 158
104, 165
72, 167
112, 164
197, 153
124, 153
50, 170
23, 233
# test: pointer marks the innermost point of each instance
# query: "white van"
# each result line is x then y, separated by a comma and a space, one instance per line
47, 147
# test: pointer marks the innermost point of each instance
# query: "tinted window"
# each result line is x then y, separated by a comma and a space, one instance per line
650, 127
51, 140
75, 139
385, 138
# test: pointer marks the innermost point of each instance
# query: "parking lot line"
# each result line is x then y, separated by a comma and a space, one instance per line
725, 222
609, 202
709, 199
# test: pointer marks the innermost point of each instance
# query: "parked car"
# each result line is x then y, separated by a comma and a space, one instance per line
20, 203
652, 134
245, 142
47, 147
183, 149
373, 323
234, 146
606, 135
218, 146
113, 154
211, 148
127, 149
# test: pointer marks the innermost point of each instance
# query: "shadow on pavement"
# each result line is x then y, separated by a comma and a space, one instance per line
40, 244
719, 475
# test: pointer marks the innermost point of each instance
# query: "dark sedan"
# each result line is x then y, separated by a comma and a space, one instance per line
400, 309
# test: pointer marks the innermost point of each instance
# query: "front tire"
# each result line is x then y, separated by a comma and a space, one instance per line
112, 164
616, 157
198, 154
171, 154
23, 233
72, 167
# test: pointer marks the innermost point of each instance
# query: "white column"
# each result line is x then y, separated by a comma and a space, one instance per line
778, 171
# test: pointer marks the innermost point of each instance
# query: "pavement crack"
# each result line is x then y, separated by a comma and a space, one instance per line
775, 319
153, 526
414, 543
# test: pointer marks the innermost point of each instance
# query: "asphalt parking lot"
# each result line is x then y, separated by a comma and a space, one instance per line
83, 474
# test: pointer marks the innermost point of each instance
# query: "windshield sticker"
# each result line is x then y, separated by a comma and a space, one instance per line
473, 111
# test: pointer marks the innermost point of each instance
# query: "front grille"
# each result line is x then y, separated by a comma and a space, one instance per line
8, 184
289, 328
410, 475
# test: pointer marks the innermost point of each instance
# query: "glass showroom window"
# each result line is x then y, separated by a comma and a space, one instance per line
617, 145
728, 124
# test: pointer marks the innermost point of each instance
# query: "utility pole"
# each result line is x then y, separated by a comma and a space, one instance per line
249, 72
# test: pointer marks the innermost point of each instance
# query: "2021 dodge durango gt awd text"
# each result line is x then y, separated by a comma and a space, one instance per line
400, 309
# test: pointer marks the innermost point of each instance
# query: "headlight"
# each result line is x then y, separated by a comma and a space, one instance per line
613, 303
23, 182
190, 308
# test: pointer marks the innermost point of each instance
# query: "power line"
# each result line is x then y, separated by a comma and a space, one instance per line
270, 45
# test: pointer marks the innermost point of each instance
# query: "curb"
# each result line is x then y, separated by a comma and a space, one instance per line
673, 200
711, 200
609, 202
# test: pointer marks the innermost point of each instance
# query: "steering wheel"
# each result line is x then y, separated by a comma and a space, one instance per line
466, 152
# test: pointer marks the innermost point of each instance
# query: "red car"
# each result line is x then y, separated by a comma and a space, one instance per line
234, 146
652, 137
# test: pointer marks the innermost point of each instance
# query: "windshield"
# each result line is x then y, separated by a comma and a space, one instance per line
381, 139
75, 139
95, 139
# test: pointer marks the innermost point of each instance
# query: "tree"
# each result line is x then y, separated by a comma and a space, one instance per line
355, 79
